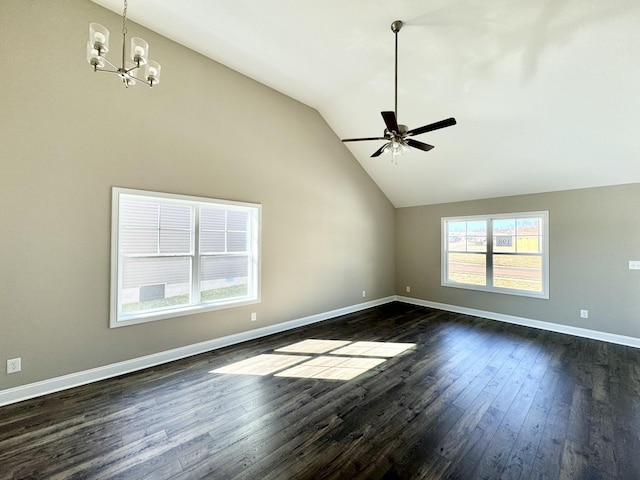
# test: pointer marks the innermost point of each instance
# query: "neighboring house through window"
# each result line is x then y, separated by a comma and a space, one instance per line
505, 253
174, 255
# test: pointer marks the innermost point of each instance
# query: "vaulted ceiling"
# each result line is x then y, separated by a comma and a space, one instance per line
546, 92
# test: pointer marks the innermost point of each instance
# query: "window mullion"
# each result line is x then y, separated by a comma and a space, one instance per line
249, 250
159, 229
226, 231
489, 253
195, 262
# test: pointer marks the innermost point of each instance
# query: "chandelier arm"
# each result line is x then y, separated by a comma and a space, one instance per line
102, 70
127, 70
107, 61
141, 80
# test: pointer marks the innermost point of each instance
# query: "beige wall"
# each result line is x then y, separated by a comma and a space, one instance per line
593, 233
67, 135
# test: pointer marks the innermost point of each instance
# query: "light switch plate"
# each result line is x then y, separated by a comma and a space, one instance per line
634, 264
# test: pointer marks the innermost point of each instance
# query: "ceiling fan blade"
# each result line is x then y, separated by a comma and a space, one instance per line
416, 144
433, 126
379, 151
390, 121
362, 139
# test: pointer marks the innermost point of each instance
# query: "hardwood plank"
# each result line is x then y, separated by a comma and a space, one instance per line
574, 462
522, 458
551, 447
624, 393
495, 458
601, 434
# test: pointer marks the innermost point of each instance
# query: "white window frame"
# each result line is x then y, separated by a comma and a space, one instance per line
544, 254
119, 319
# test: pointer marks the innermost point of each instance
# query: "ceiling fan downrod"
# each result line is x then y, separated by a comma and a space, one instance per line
395, 28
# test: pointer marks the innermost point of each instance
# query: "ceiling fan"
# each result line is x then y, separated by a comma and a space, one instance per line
397, 135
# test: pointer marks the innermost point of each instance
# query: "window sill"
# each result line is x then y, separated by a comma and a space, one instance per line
135, 319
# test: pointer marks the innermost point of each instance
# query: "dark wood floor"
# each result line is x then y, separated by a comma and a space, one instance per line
474, 399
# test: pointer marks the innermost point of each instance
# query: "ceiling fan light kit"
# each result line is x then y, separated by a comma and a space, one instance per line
98, 46
397, 135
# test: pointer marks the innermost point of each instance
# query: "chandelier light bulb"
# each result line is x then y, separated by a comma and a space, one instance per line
139, 51
99, 38
152, 72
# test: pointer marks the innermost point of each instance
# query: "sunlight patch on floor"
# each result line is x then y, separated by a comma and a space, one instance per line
313, 345
342, 360
265, 364
332, 368
374, 349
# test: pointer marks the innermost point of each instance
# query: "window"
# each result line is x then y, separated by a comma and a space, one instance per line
173, 255
506, 253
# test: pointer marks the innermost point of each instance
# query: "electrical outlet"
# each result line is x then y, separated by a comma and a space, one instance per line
584, 313
408, 289
14, 365
634, 264
364, 293
254, 316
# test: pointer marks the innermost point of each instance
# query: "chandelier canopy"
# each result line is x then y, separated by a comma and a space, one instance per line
129, 71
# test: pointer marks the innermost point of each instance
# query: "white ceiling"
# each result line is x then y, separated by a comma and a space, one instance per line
546, 92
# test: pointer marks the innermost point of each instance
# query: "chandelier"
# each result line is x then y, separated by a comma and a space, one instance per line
128, 71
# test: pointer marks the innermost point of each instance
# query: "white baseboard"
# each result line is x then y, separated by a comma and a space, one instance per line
527, 322
37, 389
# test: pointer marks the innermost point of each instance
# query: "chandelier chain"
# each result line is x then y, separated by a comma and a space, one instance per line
124, 18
